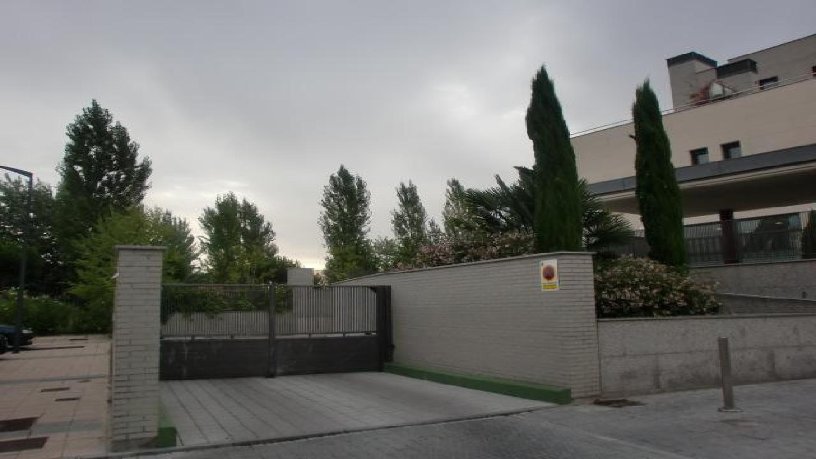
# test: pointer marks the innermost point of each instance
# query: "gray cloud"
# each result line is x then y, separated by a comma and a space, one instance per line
267, 99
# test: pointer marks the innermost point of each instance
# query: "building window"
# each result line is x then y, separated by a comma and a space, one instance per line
731, 150
699, 156
770, 82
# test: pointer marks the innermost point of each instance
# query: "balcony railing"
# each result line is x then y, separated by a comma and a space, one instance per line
758, 239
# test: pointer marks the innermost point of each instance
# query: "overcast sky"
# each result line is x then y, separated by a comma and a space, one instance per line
267, 99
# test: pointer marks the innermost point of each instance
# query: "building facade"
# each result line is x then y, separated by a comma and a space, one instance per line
743, 137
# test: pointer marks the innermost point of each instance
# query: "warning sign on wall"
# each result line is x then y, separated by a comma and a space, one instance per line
549, 275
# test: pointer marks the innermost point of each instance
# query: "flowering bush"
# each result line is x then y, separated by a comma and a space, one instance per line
639, 287
448, 251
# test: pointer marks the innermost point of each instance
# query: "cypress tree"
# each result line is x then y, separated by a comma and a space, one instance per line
661, 208
557, 211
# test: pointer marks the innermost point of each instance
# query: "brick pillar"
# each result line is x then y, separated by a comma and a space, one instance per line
572, 323
134, 411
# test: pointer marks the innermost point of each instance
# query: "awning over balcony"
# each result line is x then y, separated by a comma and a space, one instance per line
774, 179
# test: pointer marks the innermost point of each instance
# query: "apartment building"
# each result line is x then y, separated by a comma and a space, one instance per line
743, 137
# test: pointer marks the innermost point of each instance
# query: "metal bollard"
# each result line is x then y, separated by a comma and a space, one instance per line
727, 381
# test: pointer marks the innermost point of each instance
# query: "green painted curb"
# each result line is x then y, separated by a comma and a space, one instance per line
519, 389
167, 434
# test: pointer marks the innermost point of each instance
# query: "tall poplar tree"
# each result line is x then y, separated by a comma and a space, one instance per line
99, 174
344, 222
408, 222
557, 212
661, 208
239, 243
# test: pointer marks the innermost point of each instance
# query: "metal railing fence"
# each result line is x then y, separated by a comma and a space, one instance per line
210, 310
230, 311
326, 311
756, 239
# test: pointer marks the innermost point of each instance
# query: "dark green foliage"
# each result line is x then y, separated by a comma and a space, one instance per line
239, 244
386, 253
99, 174
344, 222
408, 222
809, 236
435, 233
602, 229
639, 287
455, 218
44, 264
557, 203
187, 299
43, 315
95, 265
509, 208
661, 208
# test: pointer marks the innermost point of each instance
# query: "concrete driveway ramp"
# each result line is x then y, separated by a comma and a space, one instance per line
247, 409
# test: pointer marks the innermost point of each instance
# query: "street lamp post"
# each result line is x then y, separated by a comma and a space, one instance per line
18, 313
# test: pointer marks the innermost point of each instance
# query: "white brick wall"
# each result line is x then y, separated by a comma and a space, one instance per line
134, 413
491, 318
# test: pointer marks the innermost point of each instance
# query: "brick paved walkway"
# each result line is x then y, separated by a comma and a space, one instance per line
227, 410
61, 381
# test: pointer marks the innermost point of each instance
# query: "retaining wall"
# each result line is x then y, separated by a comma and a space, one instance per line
641, 356
783, 279
733, 303
492, 318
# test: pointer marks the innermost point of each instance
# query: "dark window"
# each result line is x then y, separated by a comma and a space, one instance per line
813, 71
699, 156
731, 150
770, 82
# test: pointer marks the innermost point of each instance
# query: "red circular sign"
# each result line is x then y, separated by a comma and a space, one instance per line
548, 272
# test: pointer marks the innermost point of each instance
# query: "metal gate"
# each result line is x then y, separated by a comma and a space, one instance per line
223, 331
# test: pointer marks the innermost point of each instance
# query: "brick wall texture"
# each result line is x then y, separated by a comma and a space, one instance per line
492, 318
134, 413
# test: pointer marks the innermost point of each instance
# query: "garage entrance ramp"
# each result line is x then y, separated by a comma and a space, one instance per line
251, 409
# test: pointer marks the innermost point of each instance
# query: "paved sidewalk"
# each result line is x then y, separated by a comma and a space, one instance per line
62, 382
229, 410
779, 421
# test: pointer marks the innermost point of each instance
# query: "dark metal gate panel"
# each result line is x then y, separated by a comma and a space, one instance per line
223, 331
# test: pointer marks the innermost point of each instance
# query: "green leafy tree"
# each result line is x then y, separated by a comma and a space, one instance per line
809, 236
95, 264
557, 211
435, 233
99, 174
386, 253
661, 208
45, 267
239, 243
458, 221
409, 223
344, 222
